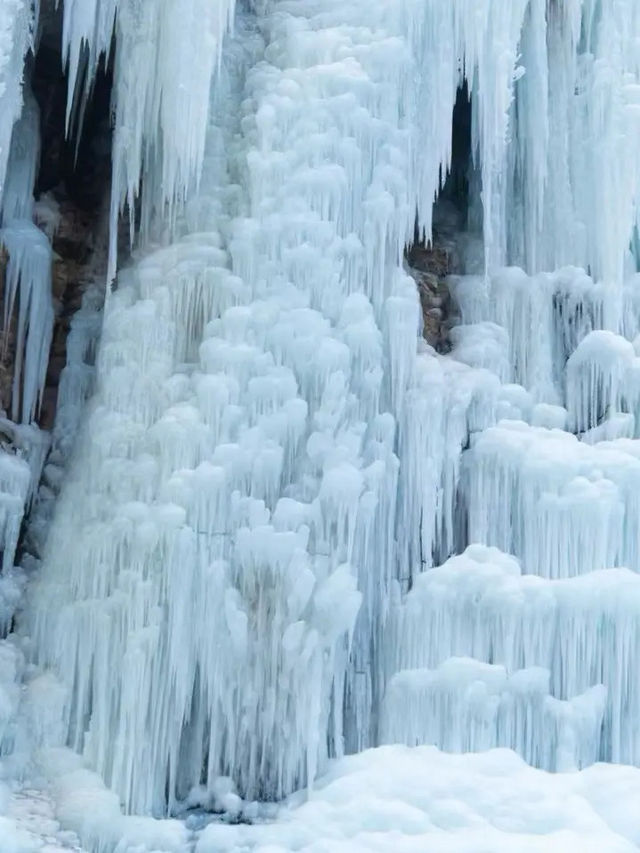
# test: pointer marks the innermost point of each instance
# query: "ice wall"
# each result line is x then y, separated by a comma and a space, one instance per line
272, 458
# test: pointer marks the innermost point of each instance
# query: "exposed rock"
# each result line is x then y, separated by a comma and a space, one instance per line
7, 346
429, 267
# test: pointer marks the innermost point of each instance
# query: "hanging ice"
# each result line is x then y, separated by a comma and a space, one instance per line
16, 31
28, 292
165, 58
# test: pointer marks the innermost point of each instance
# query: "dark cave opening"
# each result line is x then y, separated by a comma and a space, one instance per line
74, 167
451, 207
431, 261
457, 184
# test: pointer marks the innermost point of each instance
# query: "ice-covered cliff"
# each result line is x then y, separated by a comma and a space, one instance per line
288, 528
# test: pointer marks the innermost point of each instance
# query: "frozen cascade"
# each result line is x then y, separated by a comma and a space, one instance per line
17, 194
288, 527
583, 630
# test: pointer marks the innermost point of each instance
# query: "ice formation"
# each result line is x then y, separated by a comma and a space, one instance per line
16, 38
28, 293
165, 58
287, 528
468, 706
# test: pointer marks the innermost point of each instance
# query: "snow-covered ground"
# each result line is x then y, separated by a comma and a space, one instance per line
398, 799
393, 799
30, 825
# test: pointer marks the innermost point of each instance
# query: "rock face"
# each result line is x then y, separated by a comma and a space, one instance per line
6, 346
429, 267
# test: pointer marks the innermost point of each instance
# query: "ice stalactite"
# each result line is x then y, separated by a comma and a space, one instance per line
16, 38
27, 288
17, 193
28, 293
166, 55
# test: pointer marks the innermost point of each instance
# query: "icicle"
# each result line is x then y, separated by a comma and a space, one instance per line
17, 197
570, 506
28, 279
15, 483
16, 33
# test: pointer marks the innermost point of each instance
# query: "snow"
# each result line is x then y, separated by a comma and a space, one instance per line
85, 806
415, 799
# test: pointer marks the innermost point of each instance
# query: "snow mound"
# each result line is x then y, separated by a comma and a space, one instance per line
410, 800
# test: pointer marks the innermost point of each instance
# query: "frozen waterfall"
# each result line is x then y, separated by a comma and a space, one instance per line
289, 529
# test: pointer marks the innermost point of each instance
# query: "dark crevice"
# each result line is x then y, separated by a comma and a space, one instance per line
430, 262
76, 168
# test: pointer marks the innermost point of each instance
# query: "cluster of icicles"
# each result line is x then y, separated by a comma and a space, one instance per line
239, 577
26, 324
